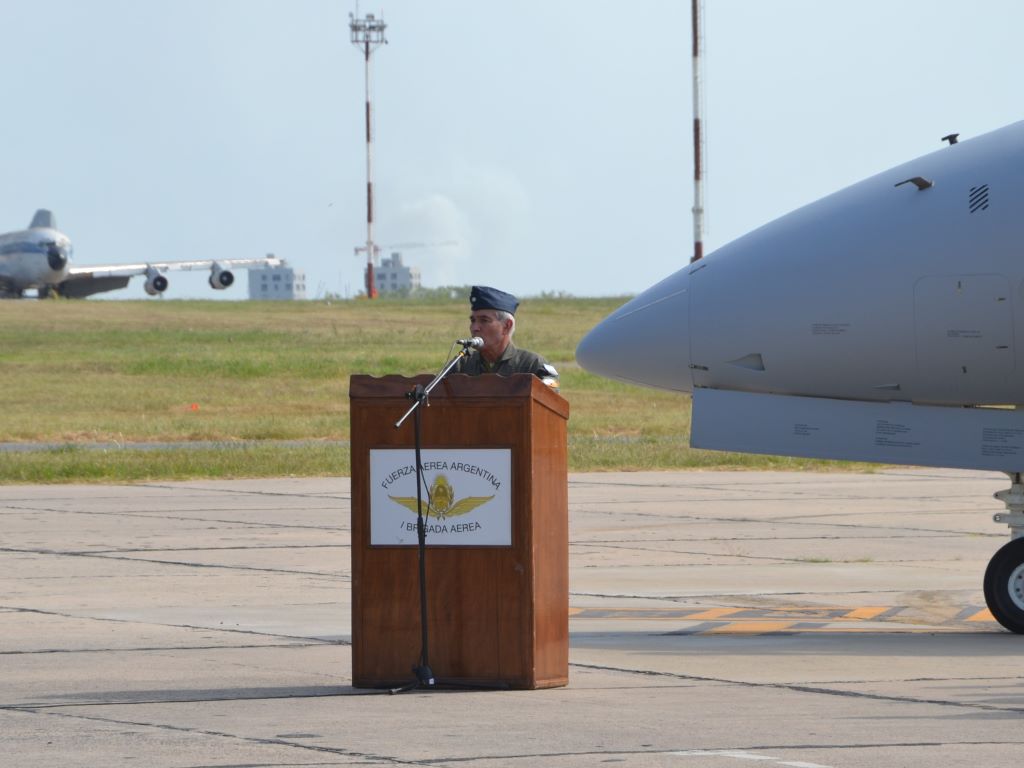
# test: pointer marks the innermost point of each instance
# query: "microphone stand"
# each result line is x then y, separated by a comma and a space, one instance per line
419, 395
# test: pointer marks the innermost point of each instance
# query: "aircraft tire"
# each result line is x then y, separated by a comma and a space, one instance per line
1004, 586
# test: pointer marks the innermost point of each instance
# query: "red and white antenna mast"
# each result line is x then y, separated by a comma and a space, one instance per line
367, 34
698, 138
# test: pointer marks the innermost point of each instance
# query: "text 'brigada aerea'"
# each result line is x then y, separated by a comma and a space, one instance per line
442, 528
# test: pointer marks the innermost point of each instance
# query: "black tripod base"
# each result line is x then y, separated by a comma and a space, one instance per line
424, 679
424, 676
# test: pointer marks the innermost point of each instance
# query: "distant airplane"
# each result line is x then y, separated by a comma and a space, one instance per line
882, 323
39, 258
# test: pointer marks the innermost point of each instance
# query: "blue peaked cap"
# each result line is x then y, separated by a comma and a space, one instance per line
482, 297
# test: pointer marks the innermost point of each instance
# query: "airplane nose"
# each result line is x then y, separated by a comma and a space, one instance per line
647, 340
56, 257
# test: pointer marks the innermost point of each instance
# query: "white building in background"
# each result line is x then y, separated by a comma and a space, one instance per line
282, 283
393, 276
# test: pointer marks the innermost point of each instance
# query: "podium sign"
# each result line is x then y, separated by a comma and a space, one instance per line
467, 498
494, 451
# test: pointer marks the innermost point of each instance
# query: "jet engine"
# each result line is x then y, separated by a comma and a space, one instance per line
156, 283
220, 278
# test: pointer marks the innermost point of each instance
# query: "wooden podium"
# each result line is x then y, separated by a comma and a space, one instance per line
497, 614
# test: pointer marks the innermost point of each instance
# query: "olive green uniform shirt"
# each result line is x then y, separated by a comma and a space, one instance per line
512, 360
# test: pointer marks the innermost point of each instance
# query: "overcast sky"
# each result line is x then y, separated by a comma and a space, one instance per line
551, 140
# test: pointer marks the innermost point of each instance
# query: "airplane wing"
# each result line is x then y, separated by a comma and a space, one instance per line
87, 280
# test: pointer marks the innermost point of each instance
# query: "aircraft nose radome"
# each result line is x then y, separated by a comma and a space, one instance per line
56, 257
647, 340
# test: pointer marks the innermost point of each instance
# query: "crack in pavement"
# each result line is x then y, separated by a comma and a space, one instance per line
60, 614
220, 734
803, 688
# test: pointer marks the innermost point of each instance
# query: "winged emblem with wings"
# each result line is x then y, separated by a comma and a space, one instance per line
442, 503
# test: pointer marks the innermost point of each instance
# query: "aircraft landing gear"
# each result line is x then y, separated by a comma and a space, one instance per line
1004, 586
1004, 577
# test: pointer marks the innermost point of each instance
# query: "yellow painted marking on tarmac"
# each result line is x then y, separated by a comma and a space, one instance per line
889, 630
793, 619
712, 614
866, 613
749, 628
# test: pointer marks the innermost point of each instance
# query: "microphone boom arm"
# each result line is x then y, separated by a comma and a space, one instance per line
420, 395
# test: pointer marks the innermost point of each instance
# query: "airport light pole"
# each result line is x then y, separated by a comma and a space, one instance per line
367, 34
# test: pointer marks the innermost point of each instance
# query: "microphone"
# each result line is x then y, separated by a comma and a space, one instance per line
476, 342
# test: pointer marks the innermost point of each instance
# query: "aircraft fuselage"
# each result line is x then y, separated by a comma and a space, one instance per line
870, 325
33, 258
878, 292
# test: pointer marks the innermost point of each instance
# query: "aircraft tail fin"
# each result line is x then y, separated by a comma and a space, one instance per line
43, 218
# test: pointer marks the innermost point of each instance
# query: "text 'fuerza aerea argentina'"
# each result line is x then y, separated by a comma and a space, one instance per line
442, 466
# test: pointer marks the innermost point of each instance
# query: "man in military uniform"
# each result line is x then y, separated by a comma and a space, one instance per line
493, 318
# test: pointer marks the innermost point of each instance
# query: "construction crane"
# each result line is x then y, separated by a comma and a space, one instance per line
395, 247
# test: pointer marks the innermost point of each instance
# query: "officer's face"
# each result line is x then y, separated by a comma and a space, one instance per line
485, 324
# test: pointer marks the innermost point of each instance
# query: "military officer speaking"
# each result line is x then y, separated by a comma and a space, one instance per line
493, 318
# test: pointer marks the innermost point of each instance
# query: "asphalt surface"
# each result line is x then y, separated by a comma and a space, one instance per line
717, 619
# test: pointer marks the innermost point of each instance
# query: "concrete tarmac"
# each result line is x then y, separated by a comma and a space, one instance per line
718, 619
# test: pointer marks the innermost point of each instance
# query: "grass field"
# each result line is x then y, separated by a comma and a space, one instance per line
263, 386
